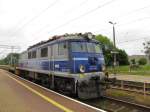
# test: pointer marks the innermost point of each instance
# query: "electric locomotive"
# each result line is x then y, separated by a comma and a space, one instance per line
72, 63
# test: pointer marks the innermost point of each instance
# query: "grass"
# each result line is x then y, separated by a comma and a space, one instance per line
142, 70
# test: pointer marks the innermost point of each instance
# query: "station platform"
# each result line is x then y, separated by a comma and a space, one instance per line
134, 78
19, 95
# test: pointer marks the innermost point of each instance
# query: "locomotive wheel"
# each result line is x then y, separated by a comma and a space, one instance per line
65, 85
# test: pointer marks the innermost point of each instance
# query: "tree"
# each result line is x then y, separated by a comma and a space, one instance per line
133, 61
7, 59
147, 49
122, 57
107, 47
142, 61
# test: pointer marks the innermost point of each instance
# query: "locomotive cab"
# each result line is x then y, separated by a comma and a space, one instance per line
86, 57
87, 62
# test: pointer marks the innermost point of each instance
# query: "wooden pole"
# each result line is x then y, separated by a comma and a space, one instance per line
144, 89
122, 84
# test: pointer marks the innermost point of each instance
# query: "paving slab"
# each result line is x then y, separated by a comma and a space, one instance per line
136, 78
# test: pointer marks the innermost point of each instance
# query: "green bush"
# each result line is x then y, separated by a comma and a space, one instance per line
142, 61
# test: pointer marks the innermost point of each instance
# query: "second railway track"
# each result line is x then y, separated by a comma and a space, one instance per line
139, 107
137, 87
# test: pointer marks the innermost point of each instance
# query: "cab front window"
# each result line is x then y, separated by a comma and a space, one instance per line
78, 47
90, 47
98, 48
85, 47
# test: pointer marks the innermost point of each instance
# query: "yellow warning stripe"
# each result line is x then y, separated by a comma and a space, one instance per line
43, 96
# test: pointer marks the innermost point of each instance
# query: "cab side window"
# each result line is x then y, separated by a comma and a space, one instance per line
33, 54
62, 48
29, 55
44, 52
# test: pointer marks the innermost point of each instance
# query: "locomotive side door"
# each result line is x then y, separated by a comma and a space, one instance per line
54, 53
51, 59
51, 63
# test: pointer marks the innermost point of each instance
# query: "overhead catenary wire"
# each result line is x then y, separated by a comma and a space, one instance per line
81, 4
75, 8
98, 8
134, 11
70, 11
82, 15
4, 53
78, 17
129, 22
36, 16
4, 50
101, 7
133, 21
120, 25
131, 12
133, 40
9, 46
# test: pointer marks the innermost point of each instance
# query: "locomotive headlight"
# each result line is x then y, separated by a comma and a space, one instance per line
82, 68
103, 68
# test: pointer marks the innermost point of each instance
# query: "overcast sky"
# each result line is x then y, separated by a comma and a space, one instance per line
26, 22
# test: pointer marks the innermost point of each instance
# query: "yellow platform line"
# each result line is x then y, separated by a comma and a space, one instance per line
43, 96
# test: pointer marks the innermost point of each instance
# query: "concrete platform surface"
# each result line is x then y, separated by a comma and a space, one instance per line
136, 78
18, 95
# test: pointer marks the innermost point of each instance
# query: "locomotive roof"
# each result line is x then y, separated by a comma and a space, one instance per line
78, 36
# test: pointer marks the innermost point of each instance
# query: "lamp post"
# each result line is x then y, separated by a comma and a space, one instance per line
114, 43
114, 40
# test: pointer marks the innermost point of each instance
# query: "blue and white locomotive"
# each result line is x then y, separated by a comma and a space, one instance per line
69, 63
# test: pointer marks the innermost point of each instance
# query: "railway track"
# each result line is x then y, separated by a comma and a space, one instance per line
131, 90
140, 107
132, 84
112, 104
145, 89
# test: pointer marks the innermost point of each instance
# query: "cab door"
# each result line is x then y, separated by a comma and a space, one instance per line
53, 56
